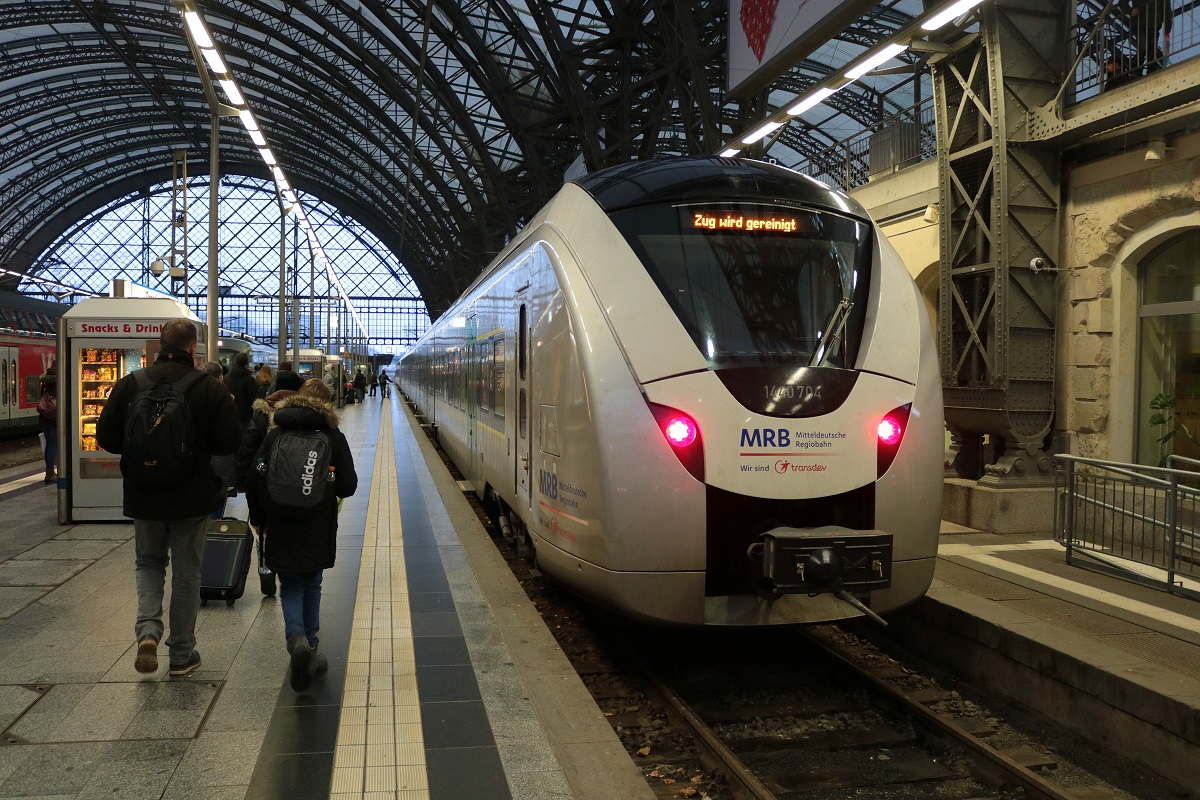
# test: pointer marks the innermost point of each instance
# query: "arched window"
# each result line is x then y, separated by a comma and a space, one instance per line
1169, 347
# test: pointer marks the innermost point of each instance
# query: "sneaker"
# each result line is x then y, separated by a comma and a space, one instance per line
301, 662
319, 663
147, 655
186, 668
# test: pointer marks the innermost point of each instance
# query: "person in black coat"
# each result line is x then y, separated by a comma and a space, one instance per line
171, 519
242, 385
299, 550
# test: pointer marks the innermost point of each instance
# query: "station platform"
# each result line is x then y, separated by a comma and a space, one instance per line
444, 681
1115, 661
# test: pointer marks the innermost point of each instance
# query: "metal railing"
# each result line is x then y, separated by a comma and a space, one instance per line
1136, 522
903, 139
1121, 42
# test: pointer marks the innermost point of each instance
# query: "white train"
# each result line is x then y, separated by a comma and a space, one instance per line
705, 391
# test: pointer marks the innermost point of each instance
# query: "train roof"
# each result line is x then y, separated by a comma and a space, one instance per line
704, 178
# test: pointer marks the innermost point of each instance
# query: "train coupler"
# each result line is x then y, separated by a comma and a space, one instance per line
825, 559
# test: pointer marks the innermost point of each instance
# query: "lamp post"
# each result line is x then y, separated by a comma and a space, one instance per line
283, 212
202, 48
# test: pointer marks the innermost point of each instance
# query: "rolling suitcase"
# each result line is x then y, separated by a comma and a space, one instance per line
228, 545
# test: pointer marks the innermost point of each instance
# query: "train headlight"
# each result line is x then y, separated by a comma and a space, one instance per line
891, 434
683, 434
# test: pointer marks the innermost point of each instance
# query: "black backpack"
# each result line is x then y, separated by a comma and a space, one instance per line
294, 466
158, 431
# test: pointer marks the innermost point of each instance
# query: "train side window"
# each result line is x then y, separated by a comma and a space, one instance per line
522, 342
498, 377
4, 380
522, 413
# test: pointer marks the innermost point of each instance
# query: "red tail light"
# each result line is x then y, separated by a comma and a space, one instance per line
683, 434
681, 430
891, 433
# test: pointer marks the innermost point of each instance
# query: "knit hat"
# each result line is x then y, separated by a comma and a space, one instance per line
286, 379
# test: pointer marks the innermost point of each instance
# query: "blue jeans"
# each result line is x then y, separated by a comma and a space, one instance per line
51, 434
300, 599
155, 543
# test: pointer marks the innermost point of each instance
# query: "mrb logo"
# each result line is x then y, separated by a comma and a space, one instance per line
766, 437
549, 484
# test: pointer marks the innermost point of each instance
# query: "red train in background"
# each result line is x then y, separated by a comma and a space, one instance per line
28, 345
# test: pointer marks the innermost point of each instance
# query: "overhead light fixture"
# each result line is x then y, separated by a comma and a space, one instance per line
248, 120
811, 101
214, 61
952, 13
932, 213
874, 60
1156, 150
231, 91
199, 33
258, 139
761, 132
267, 156
730, 153
290, 196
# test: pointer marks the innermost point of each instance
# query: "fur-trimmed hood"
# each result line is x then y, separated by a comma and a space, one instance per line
305, 409
272, 401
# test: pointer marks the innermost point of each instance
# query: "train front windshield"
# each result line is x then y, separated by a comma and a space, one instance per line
758, 285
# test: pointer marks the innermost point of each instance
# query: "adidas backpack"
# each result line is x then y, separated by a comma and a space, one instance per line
294, 466
158, 431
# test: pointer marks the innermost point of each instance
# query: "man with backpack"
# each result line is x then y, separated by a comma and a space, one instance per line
167, 421
304, 467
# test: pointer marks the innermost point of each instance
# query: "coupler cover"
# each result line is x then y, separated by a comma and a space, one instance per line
827, 559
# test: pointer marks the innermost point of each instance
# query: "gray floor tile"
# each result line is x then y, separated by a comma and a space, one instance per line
219, 758
14, 701
13, 599
58, 769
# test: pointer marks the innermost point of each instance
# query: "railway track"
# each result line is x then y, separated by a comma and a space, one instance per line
859, 725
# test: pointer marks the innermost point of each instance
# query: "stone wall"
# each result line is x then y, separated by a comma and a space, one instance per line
1117, 211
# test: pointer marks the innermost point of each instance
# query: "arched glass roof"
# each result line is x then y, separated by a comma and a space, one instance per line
439, 125
123, 238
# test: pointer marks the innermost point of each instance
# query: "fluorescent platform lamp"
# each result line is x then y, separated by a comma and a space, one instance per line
730, 153
267, 156
813, 100
214, 60
875, 59
231, 91
258, 139
248, 120
195, 24
761, 132
952, 13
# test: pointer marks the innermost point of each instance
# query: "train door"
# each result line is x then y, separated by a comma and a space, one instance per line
472, 395
521, 399
8, 378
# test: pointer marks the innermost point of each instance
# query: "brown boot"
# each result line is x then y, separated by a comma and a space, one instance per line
50, 477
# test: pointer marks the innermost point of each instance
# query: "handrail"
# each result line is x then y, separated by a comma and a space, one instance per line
1109, 516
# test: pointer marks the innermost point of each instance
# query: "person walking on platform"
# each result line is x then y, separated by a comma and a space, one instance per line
169, 492
242, 386
384, 380
300, 545
360, 385
374, 382
264, 378
252, 438
47, 409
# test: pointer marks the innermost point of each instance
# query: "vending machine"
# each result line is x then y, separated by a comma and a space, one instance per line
100, 341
